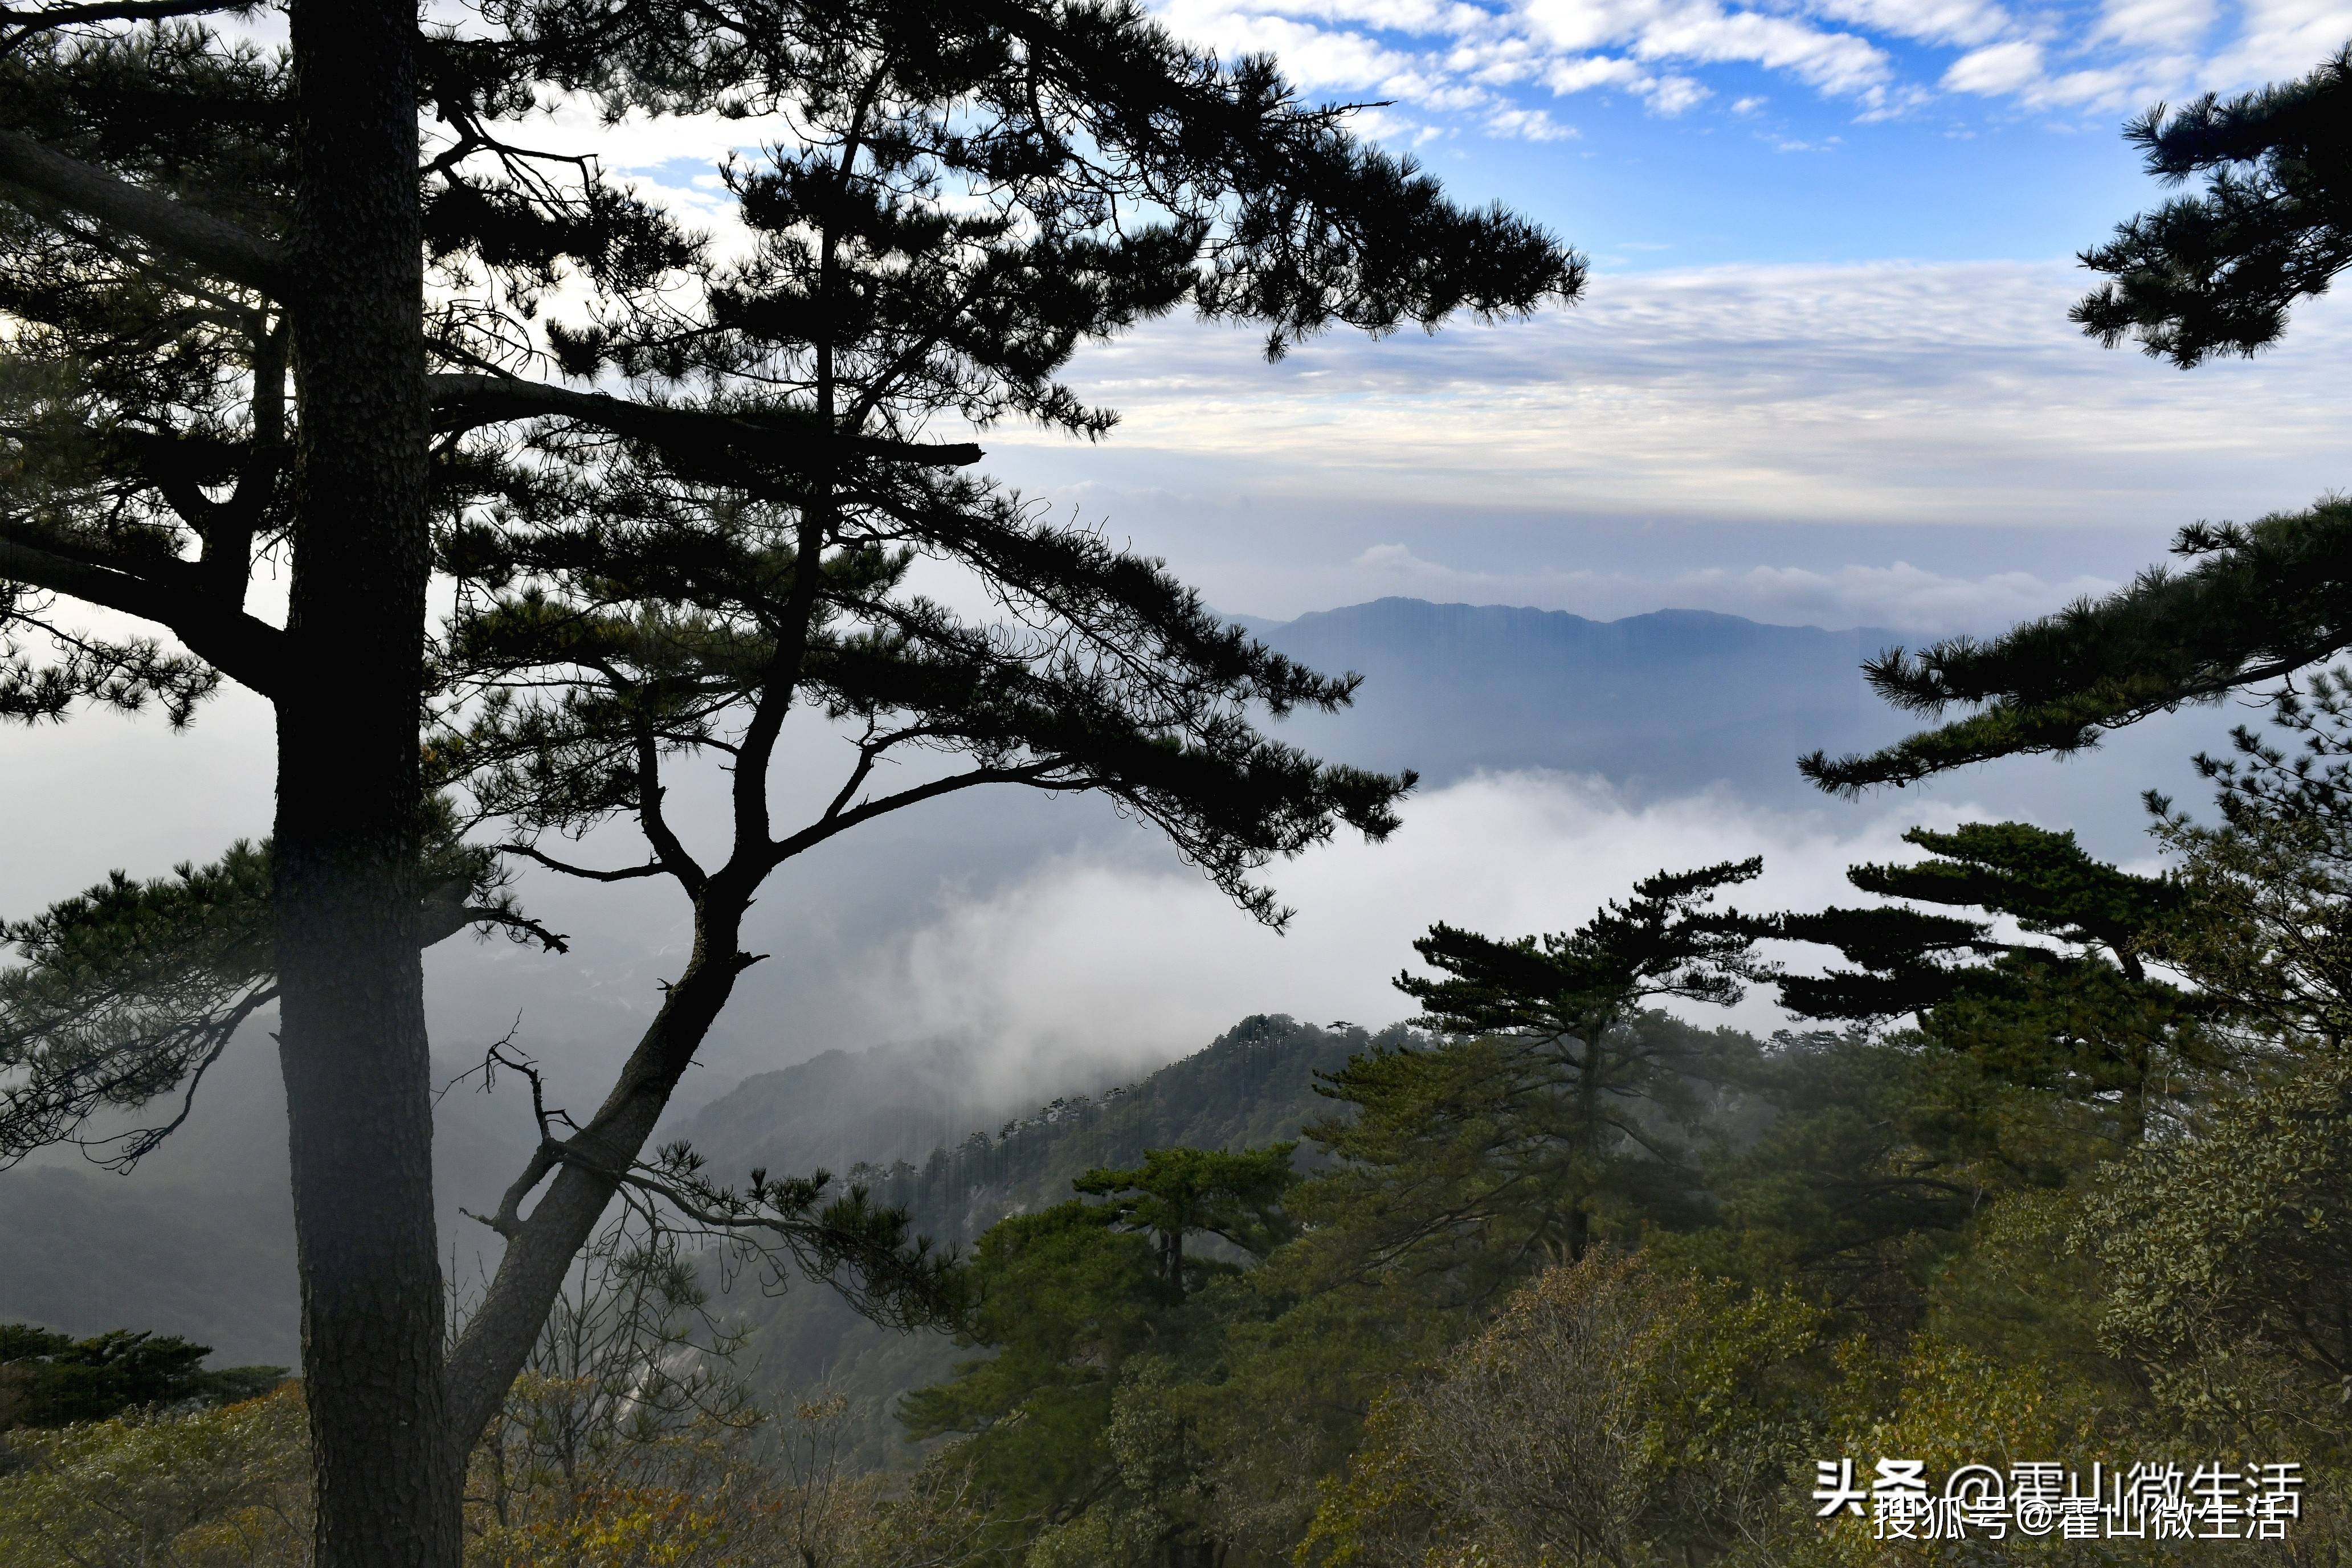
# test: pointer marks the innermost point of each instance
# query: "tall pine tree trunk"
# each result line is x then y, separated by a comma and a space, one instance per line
353, 1040
1588, 1133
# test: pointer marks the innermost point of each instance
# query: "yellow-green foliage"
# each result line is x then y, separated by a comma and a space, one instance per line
1948, 1405
214, 1488
230, 1489
1612, 1412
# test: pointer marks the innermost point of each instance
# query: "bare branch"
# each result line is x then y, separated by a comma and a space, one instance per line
835, 821
508, 1222
626, 874
42, 16
667, 845
849, 787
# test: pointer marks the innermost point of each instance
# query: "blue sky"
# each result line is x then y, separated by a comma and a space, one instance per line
1808, 182
1823, 372
1699, 132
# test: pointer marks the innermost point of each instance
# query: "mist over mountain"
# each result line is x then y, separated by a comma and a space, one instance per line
198, 1239
1253, 1085
841, 1108
865, 936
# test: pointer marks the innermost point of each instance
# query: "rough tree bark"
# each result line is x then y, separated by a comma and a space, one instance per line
353, 1040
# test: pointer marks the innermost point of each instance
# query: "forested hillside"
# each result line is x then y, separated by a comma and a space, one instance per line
1253, 1085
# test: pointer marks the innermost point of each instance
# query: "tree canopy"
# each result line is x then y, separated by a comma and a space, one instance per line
49, 1379
2256, 601
2080, 1014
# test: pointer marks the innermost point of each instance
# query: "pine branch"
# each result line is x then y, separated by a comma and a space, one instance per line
249, 651
590, 873
213, 243
743, 445
2259, 602
1038, 774
40, 16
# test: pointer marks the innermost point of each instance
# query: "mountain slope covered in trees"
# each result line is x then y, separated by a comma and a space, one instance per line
1253, 1085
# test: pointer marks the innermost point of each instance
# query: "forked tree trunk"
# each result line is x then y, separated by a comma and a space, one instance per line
503, 1328
353, 1041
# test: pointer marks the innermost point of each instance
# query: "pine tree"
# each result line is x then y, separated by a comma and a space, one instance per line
2080, 1015
2257, 602
2216, 273
2267, 933
51, 1379
223, 351
1177, 1193
1554, 1091
1065, 1299
1088, 1418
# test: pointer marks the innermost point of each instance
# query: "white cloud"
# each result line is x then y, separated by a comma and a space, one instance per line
1878, 54
1426, 53
1673, 94
1091, 947
1528, 125
1418, 17
1888, 393
1901, 597
2156, 24
1837, 63
2280, 38
1583, 72
1963, 22
1319, 58
1996, 69
1582, 23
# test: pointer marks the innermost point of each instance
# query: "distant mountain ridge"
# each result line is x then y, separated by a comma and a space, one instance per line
844, 1107
1663, 703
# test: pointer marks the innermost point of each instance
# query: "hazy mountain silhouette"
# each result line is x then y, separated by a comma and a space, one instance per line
1664, 704
1253, 1085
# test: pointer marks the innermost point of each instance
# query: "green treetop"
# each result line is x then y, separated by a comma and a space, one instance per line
2267, 936
2256, 602
2080, 1014
1084, 1416
49, 1379
1554, 1088
2215, 273
1177, 1193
